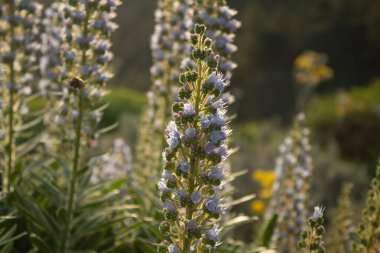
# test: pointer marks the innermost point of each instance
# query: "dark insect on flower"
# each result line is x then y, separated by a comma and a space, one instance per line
76, 83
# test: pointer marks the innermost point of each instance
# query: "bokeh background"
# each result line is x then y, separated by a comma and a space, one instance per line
343, 112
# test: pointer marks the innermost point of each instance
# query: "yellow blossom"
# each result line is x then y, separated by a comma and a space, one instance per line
311, 69
266, 178
257, 207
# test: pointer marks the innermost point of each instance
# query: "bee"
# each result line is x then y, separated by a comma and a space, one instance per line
76, 83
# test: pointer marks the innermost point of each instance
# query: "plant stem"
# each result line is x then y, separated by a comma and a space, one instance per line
194, 160
76, 160
72, 186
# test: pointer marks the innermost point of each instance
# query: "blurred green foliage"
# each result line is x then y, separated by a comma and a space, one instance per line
352, 119
123, 101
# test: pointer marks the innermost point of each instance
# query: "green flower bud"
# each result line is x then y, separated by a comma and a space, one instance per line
194, 39
320, 230
185, 92
200, 29
208, 42
182, 78
177, 106
164, 227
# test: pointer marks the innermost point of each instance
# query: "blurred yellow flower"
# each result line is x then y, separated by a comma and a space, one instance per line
265, 177
257, 207
266, 180
310, 68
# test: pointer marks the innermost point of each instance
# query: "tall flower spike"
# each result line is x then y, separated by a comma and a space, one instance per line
81, 33
169, 45
342, 229
219, 18
367, 238
290, 190
196, 139
312, 237
19, 50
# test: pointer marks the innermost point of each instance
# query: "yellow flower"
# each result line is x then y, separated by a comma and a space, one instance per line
266, 178
310, 68
257, 207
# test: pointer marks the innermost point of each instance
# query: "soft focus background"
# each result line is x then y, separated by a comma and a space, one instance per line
343, 112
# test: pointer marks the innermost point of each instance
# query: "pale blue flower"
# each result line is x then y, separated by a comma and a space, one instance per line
208, 147
167, 175
217, 136
188, 109
162, 186
217, 120
213, 235
206, 121
173, 248
174, 137
195, 197
191, 224
221, 151
190, 132
168, 205
212, 205
216, 174
184, 166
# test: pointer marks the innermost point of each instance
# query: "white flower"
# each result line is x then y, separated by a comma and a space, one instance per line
318, 212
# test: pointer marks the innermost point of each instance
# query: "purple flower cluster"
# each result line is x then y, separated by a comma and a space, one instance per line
76, 44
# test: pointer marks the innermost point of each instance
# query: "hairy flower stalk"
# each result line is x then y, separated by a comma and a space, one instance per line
290, 190
311, 238
367, 237
340, 239
19, 49
196, 139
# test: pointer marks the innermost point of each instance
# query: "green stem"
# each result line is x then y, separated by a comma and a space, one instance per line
72, 186
76, 160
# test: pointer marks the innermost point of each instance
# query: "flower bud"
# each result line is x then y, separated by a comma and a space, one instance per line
194, 39
164, 227
200, 29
